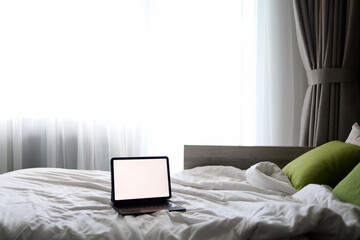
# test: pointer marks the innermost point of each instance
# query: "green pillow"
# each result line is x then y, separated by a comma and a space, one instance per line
348, 190
327, 164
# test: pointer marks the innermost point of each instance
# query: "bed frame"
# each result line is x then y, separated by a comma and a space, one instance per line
241, 157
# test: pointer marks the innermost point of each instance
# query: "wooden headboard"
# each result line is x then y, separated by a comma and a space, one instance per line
239, 156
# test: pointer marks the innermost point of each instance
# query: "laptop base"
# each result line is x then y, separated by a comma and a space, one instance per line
147, 208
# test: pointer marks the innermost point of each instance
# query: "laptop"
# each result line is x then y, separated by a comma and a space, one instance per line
141, 185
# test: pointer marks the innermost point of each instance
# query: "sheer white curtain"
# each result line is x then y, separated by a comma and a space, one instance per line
280, 79
83, 81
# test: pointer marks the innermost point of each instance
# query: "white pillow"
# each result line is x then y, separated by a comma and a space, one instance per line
354, 136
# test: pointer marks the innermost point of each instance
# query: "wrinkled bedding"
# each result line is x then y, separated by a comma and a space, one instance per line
222, 202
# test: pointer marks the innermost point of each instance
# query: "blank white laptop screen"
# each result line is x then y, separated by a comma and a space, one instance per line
140, 178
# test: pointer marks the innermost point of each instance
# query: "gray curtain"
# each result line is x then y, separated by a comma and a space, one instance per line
328, 34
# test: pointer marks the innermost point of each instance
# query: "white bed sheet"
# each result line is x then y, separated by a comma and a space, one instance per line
222, 203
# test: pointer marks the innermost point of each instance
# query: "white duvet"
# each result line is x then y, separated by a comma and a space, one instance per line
222, 203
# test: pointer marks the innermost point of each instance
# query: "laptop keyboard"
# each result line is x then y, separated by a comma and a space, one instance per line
148, 208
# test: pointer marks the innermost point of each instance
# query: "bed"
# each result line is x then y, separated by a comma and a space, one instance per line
230, 192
